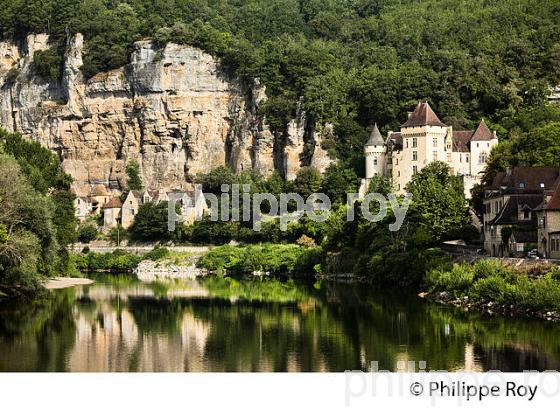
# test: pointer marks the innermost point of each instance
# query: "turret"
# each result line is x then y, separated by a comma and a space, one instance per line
374, 151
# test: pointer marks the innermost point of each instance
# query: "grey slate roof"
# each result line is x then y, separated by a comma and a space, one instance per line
375, 137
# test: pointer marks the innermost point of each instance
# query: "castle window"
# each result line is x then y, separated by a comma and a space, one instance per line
467, 158
414, 170
542, 185
375, 161
482, 158
398, 173
414, 142
526, 214
435, 156
414, 155
435, 142
522, 185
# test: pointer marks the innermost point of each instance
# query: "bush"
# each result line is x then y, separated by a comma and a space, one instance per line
456, 281
118, 261
158, 253
276, 259
87, 233
490, 288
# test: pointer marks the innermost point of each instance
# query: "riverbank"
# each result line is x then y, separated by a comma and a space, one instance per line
63, 283
494, 287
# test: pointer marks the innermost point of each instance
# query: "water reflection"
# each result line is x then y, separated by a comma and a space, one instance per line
253, 325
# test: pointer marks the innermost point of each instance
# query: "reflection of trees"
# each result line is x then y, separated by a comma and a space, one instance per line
263, 325
42, 333
156, 315
358, 326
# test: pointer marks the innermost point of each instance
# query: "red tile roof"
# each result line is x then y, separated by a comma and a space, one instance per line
423, 115
461, 141
554, 203
113, 203
527, 178
483, 133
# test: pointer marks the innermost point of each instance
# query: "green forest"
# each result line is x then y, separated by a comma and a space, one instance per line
354, 62
37, 220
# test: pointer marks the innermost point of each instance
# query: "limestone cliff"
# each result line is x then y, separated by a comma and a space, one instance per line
172, 109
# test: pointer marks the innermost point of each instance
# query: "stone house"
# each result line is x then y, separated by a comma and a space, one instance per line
99, 197
132, 203
193, 204
423, 139
548, 217
130, 207
112, 213
517, 200
83, 207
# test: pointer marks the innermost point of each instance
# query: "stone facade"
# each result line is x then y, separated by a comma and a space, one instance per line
522, 206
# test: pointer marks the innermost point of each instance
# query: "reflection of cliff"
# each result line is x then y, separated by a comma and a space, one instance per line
136, 333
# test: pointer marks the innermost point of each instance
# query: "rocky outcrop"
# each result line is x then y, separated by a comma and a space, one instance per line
173, 109
149, 271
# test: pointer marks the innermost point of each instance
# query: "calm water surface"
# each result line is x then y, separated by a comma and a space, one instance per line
216, 324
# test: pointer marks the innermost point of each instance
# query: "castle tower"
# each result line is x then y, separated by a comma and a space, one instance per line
423, 141
374, 151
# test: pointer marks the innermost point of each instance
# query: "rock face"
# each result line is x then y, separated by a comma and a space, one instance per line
172, 109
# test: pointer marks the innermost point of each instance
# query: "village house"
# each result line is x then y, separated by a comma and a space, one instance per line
522, 212
192, 204
548, 219
112, 213
423, 139
83, 207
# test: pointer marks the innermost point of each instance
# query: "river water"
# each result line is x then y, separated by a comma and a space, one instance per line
217, 325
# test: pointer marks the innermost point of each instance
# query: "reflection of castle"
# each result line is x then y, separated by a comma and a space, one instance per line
423, 139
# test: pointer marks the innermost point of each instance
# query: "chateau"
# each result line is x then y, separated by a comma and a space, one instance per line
423, 139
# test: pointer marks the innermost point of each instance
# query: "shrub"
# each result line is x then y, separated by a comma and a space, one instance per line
276, 259
158, 253
87, 233
490, 288
456, 281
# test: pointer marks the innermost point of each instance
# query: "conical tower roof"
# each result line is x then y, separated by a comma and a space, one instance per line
423, 115
482, 133
375, 137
